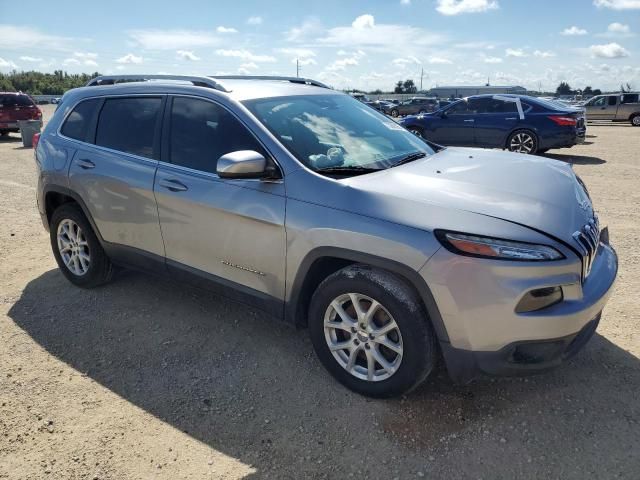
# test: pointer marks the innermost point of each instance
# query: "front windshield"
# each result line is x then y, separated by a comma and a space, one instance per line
336, 131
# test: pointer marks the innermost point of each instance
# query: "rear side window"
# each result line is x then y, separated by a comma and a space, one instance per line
613, 100
201, 132
77, 124
129, 125
630, 98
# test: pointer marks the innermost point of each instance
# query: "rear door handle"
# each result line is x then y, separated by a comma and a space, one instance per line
85, 164
470, 120
511, 118
173, 185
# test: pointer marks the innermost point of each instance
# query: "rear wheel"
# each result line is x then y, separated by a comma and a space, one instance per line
370, 332
395, 113
523, 141
416, 131
76, 248
635, 120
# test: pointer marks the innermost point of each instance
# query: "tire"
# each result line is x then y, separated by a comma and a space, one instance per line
413, 354
635, 119
523, 141
91, 266
395, 113
416, 131
422, 112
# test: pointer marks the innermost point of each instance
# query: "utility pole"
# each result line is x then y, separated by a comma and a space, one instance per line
297, 68
421, 75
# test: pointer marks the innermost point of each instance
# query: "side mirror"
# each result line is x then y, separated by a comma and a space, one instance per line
242, 164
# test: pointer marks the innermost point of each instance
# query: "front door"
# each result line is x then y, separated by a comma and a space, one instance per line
455, 126
227, 230
603, 108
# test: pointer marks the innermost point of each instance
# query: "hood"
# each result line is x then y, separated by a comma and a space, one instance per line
539, 193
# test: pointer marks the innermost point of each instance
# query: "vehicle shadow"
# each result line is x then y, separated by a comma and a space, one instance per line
576, 159
250, 387
10, 138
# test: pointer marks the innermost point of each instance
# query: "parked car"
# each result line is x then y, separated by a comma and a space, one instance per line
395, 101
55, 100
15, 107
412, 106
620, 107
496, 121
382, 105
391, 252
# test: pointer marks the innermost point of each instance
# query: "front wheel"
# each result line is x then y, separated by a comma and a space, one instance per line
523, 141
395, 113
370, 331
416, 131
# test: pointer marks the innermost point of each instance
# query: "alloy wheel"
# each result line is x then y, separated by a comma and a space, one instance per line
416, 132
636, 120
363, 337
522, 142
73, 247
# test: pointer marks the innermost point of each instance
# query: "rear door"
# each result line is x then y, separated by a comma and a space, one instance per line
228, 230
114, 176
494, 119
455, 126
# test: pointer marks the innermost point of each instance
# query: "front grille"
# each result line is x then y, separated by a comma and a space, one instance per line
587, 239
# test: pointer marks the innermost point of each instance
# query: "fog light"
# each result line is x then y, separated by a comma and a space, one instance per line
539, 298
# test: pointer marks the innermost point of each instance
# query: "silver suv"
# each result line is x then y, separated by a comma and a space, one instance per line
289, 196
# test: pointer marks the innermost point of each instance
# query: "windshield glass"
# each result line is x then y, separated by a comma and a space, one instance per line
329, 131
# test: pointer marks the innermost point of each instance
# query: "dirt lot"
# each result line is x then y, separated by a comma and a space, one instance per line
147, 379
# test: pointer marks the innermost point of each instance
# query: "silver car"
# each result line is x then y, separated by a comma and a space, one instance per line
289, 196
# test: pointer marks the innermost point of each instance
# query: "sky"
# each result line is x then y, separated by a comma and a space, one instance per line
363, 44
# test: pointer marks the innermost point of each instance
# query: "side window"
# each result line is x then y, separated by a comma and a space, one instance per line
613, 100
598, 102
482, 105
629, 98
77, 124
460, 108
129, 124
201, 132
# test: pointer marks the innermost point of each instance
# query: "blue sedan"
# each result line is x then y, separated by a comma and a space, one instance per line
514, 122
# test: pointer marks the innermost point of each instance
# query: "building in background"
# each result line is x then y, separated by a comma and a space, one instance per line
465, 90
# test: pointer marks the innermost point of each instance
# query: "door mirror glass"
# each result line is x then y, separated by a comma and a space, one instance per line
242, 164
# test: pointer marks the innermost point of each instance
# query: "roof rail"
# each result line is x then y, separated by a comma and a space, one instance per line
304, 81
195, 80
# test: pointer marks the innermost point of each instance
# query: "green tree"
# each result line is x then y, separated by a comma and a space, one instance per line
409, 86
399, 88
564, 89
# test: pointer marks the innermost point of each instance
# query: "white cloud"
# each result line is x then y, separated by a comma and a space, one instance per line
364, 32
616, 27
571, 31
120, 67
618, 4
222, 29
456, 7
187, 55
130, 58
255, 20
249, 66
13, 37
342, 64
543, 54
310, 28
90, 63
492, 60
609, 50
70, 61
26, 58
173, 39
439, 60
515, 52
405, 2
298, 52
245, 55
7, 64
406, 61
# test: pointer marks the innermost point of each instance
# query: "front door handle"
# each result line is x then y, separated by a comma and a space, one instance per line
173, 185
86, 164
470, 120
511, 118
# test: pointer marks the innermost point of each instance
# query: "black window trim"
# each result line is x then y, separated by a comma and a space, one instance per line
92, 130
165, 159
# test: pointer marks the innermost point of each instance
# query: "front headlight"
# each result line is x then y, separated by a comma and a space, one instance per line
488, 247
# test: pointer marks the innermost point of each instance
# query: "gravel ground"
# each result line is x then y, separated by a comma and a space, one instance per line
144, 378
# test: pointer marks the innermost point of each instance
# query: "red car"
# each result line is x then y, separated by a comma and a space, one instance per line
14, 107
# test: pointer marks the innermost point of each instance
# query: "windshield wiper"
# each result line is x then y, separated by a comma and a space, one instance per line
409, 158
356, 169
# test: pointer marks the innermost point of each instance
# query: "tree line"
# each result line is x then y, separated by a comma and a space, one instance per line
38, 83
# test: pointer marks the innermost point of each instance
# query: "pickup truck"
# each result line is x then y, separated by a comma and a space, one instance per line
619, 107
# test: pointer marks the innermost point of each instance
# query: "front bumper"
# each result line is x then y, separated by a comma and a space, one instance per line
477, 300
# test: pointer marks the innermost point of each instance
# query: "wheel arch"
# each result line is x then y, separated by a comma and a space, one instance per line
521, 129
56, 195
323, 261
